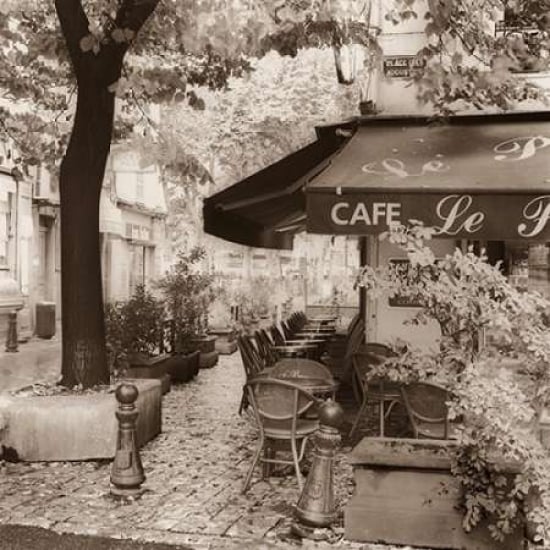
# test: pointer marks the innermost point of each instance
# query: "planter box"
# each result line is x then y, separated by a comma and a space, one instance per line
226, 343
206, 345
183, 368
209, 359
150, 367
405, 494
74, 427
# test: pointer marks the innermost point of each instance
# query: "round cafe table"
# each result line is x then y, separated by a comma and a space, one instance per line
311, 375
296, 350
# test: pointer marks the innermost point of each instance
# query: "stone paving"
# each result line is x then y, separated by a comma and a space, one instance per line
195, 471
36, 361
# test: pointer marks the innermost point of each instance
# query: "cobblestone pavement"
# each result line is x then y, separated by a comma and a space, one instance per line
195, 471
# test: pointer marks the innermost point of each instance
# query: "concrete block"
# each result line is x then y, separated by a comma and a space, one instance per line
153, 367
74, 427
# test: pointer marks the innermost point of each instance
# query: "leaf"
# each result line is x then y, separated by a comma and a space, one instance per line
87, 43
113, 87
129, 34
118, 36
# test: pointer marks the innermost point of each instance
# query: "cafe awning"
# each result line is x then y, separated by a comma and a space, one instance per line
268, 208
482, 177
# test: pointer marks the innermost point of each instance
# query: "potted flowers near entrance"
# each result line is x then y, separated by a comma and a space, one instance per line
492, 359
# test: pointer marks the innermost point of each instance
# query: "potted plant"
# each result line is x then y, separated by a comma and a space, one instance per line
493, 358
188, 294
134, 329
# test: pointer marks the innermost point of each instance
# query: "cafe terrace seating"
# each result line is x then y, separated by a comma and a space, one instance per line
280, 408
253, 364
427, 410
378, 391
340, 364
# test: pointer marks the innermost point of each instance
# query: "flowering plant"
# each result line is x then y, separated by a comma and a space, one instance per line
493, 357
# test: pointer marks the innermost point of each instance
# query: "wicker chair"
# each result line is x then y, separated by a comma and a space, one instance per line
280, 408
427, 410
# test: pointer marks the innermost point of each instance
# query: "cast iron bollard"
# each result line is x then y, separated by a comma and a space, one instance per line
11, 340
127, 472
316, 507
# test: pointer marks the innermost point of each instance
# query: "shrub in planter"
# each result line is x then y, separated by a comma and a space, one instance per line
188, 293
134, 329
493, 357
409, 483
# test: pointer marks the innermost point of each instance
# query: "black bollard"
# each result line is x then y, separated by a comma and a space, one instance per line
126, 471
316, 507
11, 339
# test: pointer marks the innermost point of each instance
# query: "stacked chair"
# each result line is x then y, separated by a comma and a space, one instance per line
295, 337
338, 357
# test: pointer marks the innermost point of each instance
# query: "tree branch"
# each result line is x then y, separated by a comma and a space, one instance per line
132, 14
74, 25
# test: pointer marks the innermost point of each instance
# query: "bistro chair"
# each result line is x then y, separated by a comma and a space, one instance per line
265, 347
341, 367
427, 410
252, 363
378, 391
279, 409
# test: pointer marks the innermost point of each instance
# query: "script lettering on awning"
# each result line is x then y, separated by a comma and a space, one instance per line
520, 148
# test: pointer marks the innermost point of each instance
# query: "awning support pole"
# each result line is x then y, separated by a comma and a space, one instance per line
363, 260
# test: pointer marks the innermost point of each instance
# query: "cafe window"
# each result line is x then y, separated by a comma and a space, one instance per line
529, 267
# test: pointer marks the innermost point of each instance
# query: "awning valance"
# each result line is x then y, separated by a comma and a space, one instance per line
268, 208
483, 177
480, 177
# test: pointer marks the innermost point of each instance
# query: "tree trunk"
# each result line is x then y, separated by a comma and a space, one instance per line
81, 179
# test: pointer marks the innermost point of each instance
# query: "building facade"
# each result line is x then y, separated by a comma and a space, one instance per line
133, 237
392, 92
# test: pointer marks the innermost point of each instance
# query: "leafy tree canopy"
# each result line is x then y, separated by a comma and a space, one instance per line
189, 43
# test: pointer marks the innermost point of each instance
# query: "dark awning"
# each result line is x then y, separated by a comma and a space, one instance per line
268, 208
483, 177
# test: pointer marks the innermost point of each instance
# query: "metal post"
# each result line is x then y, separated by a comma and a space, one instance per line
11, 339
316, 507
126, 471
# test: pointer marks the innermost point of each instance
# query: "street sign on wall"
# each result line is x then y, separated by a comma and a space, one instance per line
401, 66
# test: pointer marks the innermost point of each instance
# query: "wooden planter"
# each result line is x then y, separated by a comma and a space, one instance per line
150, 367
226, 343
405, 494
207, 347
183, 367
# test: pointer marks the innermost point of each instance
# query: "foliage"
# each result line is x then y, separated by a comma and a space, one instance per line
186, 45
256, 297
467, 63
188, 294
133, 326
497, 387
